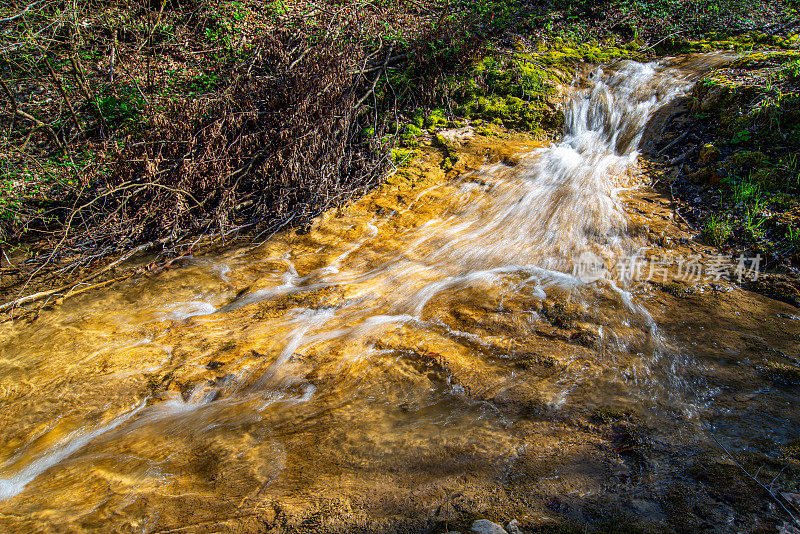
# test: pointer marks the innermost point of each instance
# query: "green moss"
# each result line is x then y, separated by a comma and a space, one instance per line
709, 153
401, 155
715, 41
449, 162
413, 129
435, 119
410, 135
748, 158
514, 91
765, 59
792, 449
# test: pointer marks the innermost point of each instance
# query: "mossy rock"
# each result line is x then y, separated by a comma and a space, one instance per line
792, 449
561, 313
778, 286
705, 175
765, 59
449, 163
413, 129
727, 480
712, 94
448, 145
708, 154
401, 156
435, 119
748, 158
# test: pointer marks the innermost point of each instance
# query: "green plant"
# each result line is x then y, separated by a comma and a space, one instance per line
752, 220
10, 202
401, 155
793, 234
204, 83
717, 230
789, 71
740, 137
747, 192
122, 106
276, 7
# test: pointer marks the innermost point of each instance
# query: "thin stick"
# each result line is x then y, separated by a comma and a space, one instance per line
754, 479
113, 58
375, 82
79, 78
63, 94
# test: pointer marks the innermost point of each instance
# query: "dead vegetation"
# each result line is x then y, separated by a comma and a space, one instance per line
161, 122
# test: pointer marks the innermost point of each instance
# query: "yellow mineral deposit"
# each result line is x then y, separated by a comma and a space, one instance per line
424, 348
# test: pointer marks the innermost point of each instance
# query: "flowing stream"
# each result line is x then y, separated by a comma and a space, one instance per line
409, 361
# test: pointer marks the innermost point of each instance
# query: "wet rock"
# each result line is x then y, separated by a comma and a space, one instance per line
784, 374
648, 509
561, 313
708, 97
529, 360
586, 335
604, 416
454, 138
484, 526
705, 175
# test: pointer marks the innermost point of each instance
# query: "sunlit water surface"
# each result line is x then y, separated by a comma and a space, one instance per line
441, 345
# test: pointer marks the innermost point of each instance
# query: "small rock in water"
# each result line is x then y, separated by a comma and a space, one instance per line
698, 200
484, 526
513, 527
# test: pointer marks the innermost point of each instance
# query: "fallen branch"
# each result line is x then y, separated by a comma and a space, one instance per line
69, 287
30, 117
674, 142
682, 157
378, 77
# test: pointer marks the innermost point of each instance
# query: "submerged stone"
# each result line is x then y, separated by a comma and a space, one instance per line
484, 526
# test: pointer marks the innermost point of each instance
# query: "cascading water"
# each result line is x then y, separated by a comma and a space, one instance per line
447, 344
